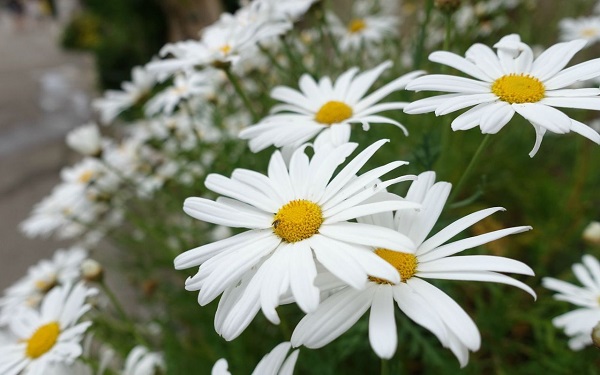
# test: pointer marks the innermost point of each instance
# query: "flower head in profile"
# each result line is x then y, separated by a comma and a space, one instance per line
49, 336
578, 324
421, 301
274, 363
326, 109
297, 216
63, 268
512, 81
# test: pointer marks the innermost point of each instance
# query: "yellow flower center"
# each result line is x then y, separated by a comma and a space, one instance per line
405, 263
356, 25
225, 49
42, 340
589, 32
86, 176
333, 112
519, 88
297, 220
45, 285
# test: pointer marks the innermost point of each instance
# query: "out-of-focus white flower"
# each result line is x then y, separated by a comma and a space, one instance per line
421, 301
114, 102
511, 81
86, 140
184, 87
363, 31
326, 109
49, 336
591, 233
63, 268
578, 324
141, 361
587, 28
274, 363
297, 217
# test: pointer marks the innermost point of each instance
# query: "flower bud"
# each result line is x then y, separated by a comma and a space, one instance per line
591, 233
91, 270
596, 335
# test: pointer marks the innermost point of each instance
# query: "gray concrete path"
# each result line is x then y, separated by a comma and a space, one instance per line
43, 94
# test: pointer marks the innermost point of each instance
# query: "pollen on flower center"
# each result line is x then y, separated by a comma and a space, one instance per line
356, 25
405, 263
519, 88
333, 112
297, 220
42, 340
86, 176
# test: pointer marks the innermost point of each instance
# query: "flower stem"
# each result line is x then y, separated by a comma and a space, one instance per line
469, 168
418, 57
385, 367
126, 319
238, 89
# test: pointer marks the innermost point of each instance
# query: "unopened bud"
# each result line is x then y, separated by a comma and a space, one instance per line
591, 233
596, 335
447, 6
91, 270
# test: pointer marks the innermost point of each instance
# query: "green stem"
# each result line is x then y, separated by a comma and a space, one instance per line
448, 34
271, 58
467, 171
385, 367
126, 319
238, 89
422, 33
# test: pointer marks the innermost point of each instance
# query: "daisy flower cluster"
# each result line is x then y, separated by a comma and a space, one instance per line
312, 194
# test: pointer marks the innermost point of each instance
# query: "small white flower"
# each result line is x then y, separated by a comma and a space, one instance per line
591, 233
47, 337
114, 102
363, 31
184, 87
63, 268
511, 81
86, 140
297, 216
326, 109
421, 301
274, 363
578, 324
140, 361
587, 28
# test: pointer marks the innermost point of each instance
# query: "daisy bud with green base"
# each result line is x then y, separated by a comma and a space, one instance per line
92, 271
298, 216
512, 81
421, 301
578, 324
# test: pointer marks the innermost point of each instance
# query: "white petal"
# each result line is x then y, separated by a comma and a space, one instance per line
555, 58
382, 324
447, 83
368, 235
302, 276
460, 63
545, 116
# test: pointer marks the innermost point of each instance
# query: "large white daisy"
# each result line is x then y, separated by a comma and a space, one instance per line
421, 301
578, 324
48, 336
511, 81
295, 214
326, 109
274, 363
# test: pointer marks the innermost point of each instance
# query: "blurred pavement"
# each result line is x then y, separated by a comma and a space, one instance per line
43, 94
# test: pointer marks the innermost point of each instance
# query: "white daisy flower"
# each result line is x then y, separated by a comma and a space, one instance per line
587, 28
184, 87
510, 82
424, 303
141, 361
362, 30
274, 363
114, 102
326, 109
86, 140
578, 324
49, 336
286, 9
63, 268
294, 214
